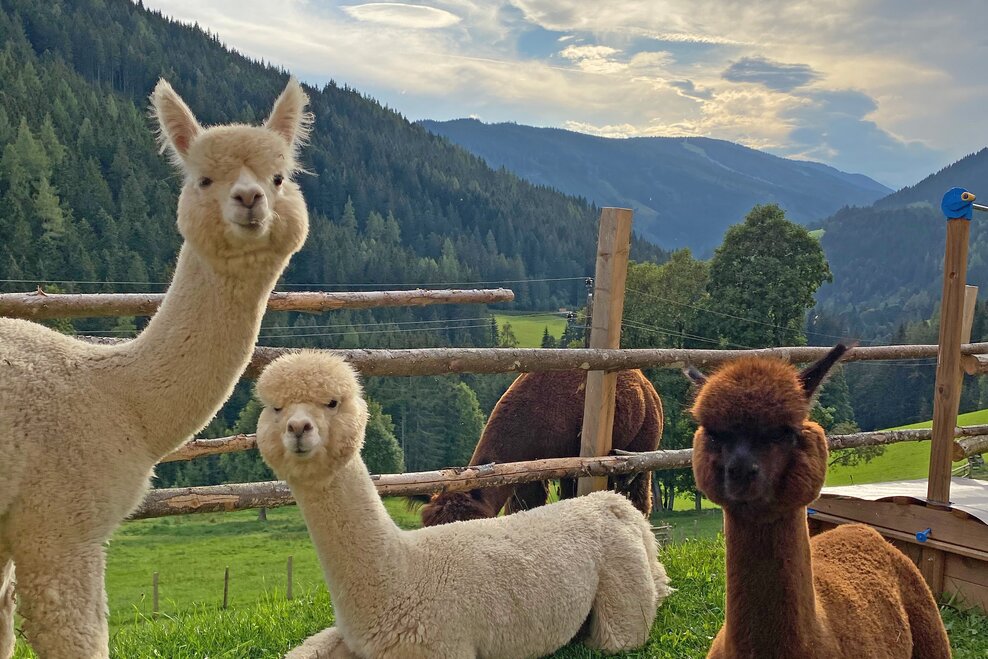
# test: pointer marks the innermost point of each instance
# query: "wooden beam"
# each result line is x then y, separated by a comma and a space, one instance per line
613, 247
441, 361
973, 439
43, 306
947, 392
271, 494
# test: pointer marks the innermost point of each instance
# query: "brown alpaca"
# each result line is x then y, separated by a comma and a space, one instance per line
845, 593
541, 416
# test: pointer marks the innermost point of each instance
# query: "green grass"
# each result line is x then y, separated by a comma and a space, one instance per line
190, 553
904, 461
528, 328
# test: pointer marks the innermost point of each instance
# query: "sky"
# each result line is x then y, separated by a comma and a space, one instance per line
895, 89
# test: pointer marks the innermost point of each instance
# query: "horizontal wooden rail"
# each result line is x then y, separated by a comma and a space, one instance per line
444, 361
271, 494
43, 306
974, 440
440, 361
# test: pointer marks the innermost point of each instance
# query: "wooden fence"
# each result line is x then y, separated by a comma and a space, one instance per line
970, 440
437, 361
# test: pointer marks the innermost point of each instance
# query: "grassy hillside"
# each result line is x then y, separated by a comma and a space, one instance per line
528, 328
662, 178
190, 553
900, 461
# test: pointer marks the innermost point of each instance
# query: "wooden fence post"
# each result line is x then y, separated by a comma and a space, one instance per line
226, 586
613, 246
288, 588
947, 392
154, 596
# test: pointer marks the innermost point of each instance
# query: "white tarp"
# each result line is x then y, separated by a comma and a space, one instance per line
966, 494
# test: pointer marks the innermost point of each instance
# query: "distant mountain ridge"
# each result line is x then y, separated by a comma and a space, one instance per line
887, 258
685, 191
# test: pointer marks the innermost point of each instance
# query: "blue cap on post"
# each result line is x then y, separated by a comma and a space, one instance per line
958, 203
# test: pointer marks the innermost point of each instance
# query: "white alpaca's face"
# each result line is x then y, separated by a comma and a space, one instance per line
309, 438
238, 198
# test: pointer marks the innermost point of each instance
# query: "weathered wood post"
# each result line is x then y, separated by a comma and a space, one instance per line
288, 588
226, 586
957, 206
154, 596
613, 246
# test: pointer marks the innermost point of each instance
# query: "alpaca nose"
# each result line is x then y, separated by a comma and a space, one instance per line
247, 198
299, 428
743, 470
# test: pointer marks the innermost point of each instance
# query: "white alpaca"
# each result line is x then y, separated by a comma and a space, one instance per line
82, 425
515, 586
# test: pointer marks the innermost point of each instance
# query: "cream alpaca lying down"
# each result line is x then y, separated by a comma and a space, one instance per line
516, 586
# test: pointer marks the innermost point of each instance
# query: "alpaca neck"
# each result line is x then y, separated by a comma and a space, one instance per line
357, 541
184, 365
771, 604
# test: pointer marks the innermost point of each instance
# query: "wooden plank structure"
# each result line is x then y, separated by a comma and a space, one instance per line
949, 545
613, 248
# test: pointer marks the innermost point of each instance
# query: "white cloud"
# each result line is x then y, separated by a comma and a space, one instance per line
398, 14
649, 67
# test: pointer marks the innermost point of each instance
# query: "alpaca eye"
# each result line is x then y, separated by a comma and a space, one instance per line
205, 182
276, 409
278, 179
332, 404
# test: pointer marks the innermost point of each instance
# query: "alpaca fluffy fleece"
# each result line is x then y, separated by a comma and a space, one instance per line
541, 416
82, 425
516, 586
846, 592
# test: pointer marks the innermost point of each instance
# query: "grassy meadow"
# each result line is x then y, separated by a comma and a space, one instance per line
191, 552
529, 327
904, 461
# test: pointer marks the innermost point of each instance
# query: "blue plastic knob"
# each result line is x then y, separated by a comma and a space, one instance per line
958, 203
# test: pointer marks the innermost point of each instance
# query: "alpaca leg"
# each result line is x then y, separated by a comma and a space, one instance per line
7, 637
327, 644
61, 596
528, 496
567, 488
640, 492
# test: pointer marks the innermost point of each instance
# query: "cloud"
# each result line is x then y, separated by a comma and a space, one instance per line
834, 126
833, 84
689, 89
774, 75
398, 14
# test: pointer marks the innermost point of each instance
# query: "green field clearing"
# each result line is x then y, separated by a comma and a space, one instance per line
908, 460
190, 553
528, 327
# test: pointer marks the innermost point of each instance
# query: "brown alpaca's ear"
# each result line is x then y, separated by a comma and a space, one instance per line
177, 126
288, 117
813, 375
694, 376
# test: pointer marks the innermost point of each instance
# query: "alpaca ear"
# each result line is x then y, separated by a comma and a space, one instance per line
288, 117
813, 375
177, 126
694, 376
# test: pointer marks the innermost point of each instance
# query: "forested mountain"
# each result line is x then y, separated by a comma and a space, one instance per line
83, 179
89, 205
685, 191
887, 258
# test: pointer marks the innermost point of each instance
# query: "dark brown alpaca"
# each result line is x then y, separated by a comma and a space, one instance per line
845, 593
541, 416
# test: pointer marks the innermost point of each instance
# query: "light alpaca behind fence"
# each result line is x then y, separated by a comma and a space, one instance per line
82, 425
845, 593
511, 587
